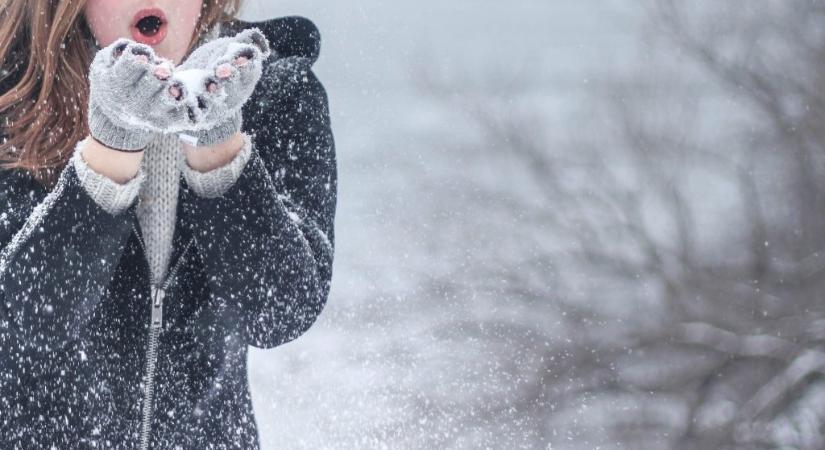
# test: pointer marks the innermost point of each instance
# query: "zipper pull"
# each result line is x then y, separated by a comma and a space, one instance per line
158, 294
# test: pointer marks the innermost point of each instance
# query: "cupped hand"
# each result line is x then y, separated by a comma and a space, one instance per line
135, 94
129, 99
215, 82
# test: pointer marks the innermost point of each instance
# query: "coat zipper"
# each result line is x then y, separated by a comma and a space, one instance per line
158, 294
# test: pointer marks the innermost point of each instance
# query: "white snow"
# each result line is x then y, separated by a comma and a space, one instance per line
395, 360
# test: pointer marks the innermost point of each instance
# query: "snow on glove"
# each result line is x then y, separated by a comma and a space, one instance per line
214, 83
129, 98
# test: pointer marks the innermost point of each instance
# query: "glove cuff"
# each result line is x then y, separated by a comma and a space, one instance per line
114, 136
216, 135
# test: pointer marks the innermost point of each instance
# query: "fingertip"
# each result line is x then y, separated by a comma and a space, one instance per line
143, 53
176, 91
224, 71
118, 47
212, 86
245, 55
162, 73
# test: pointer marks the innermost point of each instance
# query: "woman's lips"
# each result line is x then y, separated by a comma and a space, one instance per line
149, 39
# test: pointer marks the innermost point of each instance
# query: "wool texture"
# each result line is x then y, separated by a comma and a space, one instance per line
156, 188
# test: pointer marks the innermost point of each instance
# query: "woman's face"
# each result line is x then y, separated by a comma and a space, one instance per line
165, 25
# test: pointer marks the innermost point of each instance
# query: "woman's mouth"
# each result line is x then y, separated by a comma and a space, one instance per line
149, 26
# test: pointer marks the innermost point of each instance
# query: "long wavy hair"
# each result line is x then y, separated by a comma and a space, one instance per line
44, 49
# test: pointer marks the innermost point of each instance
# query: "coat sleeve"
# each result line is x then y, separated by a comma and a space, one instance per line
267, 243
58, 253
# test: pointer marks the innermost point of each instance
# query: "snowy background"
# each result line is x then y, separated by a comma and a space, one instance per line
564, 224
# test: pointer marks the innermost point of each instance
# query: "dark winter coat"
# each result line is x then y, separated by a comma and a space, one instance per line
252, 267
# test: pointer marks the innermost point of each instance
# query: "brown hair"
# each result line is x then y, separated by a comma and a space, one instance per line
44, 49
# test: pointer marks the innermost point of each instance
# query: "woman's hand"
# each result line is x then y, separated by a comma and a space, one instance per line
205, 159
214, 83
130, 100
119, 167
135, 94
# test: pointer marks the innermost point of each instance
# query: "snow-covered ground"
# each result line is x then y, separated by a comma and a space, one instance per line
385, 366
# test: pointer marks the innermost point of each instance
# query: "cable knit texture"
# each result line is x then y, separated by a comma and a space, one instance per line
156, 186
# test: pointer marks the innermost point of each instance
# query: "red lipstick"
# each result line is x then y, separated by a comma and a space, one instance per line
149, 26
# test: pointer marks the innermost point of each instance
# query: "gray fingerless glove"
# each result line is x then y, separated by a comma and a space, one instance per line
217, 79
129, 102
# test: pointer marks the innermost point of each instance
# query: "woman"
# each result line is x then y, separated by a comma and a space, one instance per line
165, 201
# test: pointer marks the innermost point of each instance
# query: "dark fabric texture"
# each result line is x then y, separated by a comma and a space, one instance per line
75, 286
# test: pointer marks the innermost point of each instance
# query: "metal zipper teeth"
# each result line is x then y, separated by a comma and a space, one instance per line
157, 296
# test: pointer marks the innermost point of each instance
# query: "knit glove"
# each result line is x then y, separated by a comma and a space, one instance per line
215, 81
129, 98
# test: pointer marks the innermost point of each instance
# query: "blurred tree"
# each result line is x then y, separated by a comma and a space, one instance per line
661, 257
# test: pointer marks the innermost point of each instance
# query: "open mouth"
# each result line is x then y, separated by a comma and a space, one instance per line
149, 26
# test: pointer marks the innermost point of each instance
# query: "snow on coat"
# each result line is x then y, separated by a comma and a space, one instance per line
254, 267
